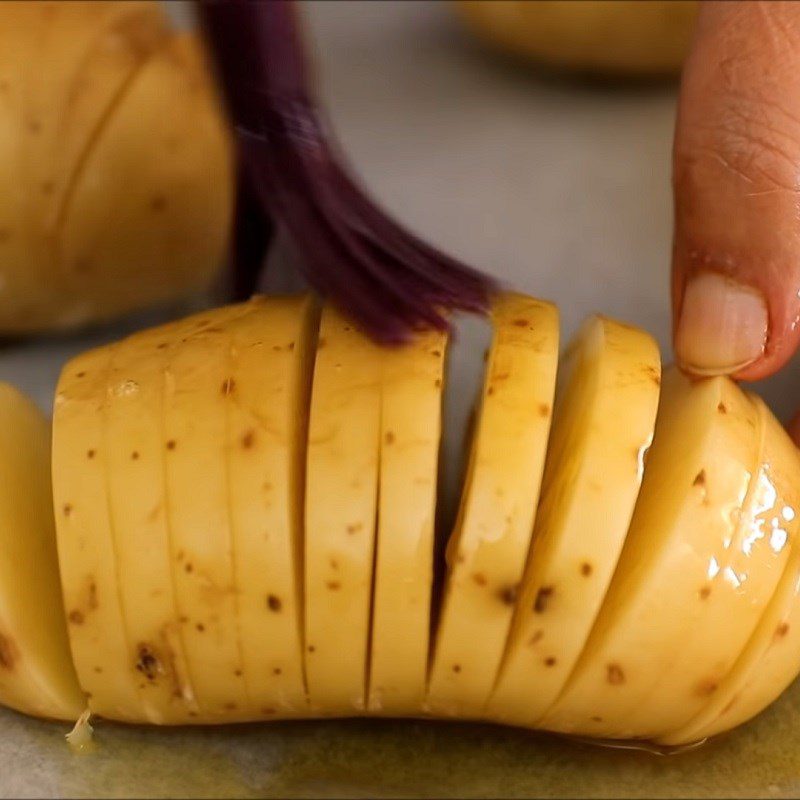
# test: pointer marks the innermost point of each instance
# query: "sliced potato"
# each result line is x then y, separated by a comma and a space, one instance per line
340, 512
135, 463
604, 419
36, 672
770, 660
749, 572
698, 472
196, 398
486, 552
103, 658
411, 407
266, 439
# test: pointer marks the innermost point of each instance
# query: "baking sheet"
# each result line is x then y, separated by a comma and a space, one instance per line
562, 190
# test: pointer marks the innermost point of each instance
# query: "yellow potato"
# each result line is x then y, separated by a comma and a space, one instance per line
340, 513
603, 425
755, 558
268, 394
486, 553
675, 557
769, 661
36, 672
115, 163
104, 660
411, 407
197, 384
606, 37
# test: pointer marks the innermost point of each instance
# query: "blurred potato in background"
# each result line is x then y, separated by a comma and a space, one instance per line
116, 171
615, 38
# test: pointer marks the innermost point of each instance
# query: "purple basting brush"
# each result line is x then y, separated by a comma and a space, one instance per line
375, 270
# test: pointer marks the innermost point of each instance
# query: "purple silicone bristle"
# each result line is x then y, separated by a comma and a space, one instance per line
383, 276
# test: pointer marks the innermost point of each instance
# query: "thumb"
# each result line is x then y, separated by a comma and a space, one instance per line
736, 176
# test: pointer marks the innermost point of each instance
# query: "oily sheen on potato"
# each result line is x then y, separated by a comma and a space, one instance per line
245, 504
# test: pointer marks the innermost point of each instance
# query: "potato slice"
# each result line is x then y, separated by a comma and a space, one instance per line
411, 409
771, 659
604, 419
197, 394
266, 443
135, 462
36, 672
340, 508
749, 572
486, 552
698, 473
103, 659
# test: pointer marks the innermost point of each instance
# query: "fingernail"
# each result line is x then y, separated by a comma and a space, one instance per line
723, 325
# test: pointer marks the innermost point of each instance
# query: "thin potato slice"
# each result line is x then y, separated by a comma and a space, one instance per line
411, 407
340, 509
697, 477
36, 672
486, 552
750, 570
272, 350
604, 419
89, 566
196, 397
135, 462
771, 659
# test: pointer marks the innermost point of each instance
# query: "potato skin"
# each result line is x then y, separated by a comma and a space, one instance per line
115, 164
605, 37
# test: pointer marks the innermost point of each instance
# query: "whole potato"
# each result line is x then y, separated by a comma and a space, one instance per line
607, 37
115, 164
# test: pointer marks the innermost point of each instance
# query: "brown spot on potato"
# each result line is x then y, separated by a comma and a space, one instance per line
437, 383
722, 408
274, 602
200, 627
520, 323
312, 649
586, 569
436, 353
706, 687
189, 567
277, 671
237, 673
90, 454
228, 385
91, 592
171, 444
507, 594
456, 668
162, 345
7, 653
389, 438
334, 586
266, 711
354, 527
542, 599
158, 202
147, 662
248, 438
544, 410
490, 391
47, 187
700, 478
536, 638
67, 509
34, 126
704, 592
597, 719
76, 617
781, 630
550, 661
98, 670
480, 579
614, 674
80, 374
135, 455
230, 706
334, 563
500, 376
